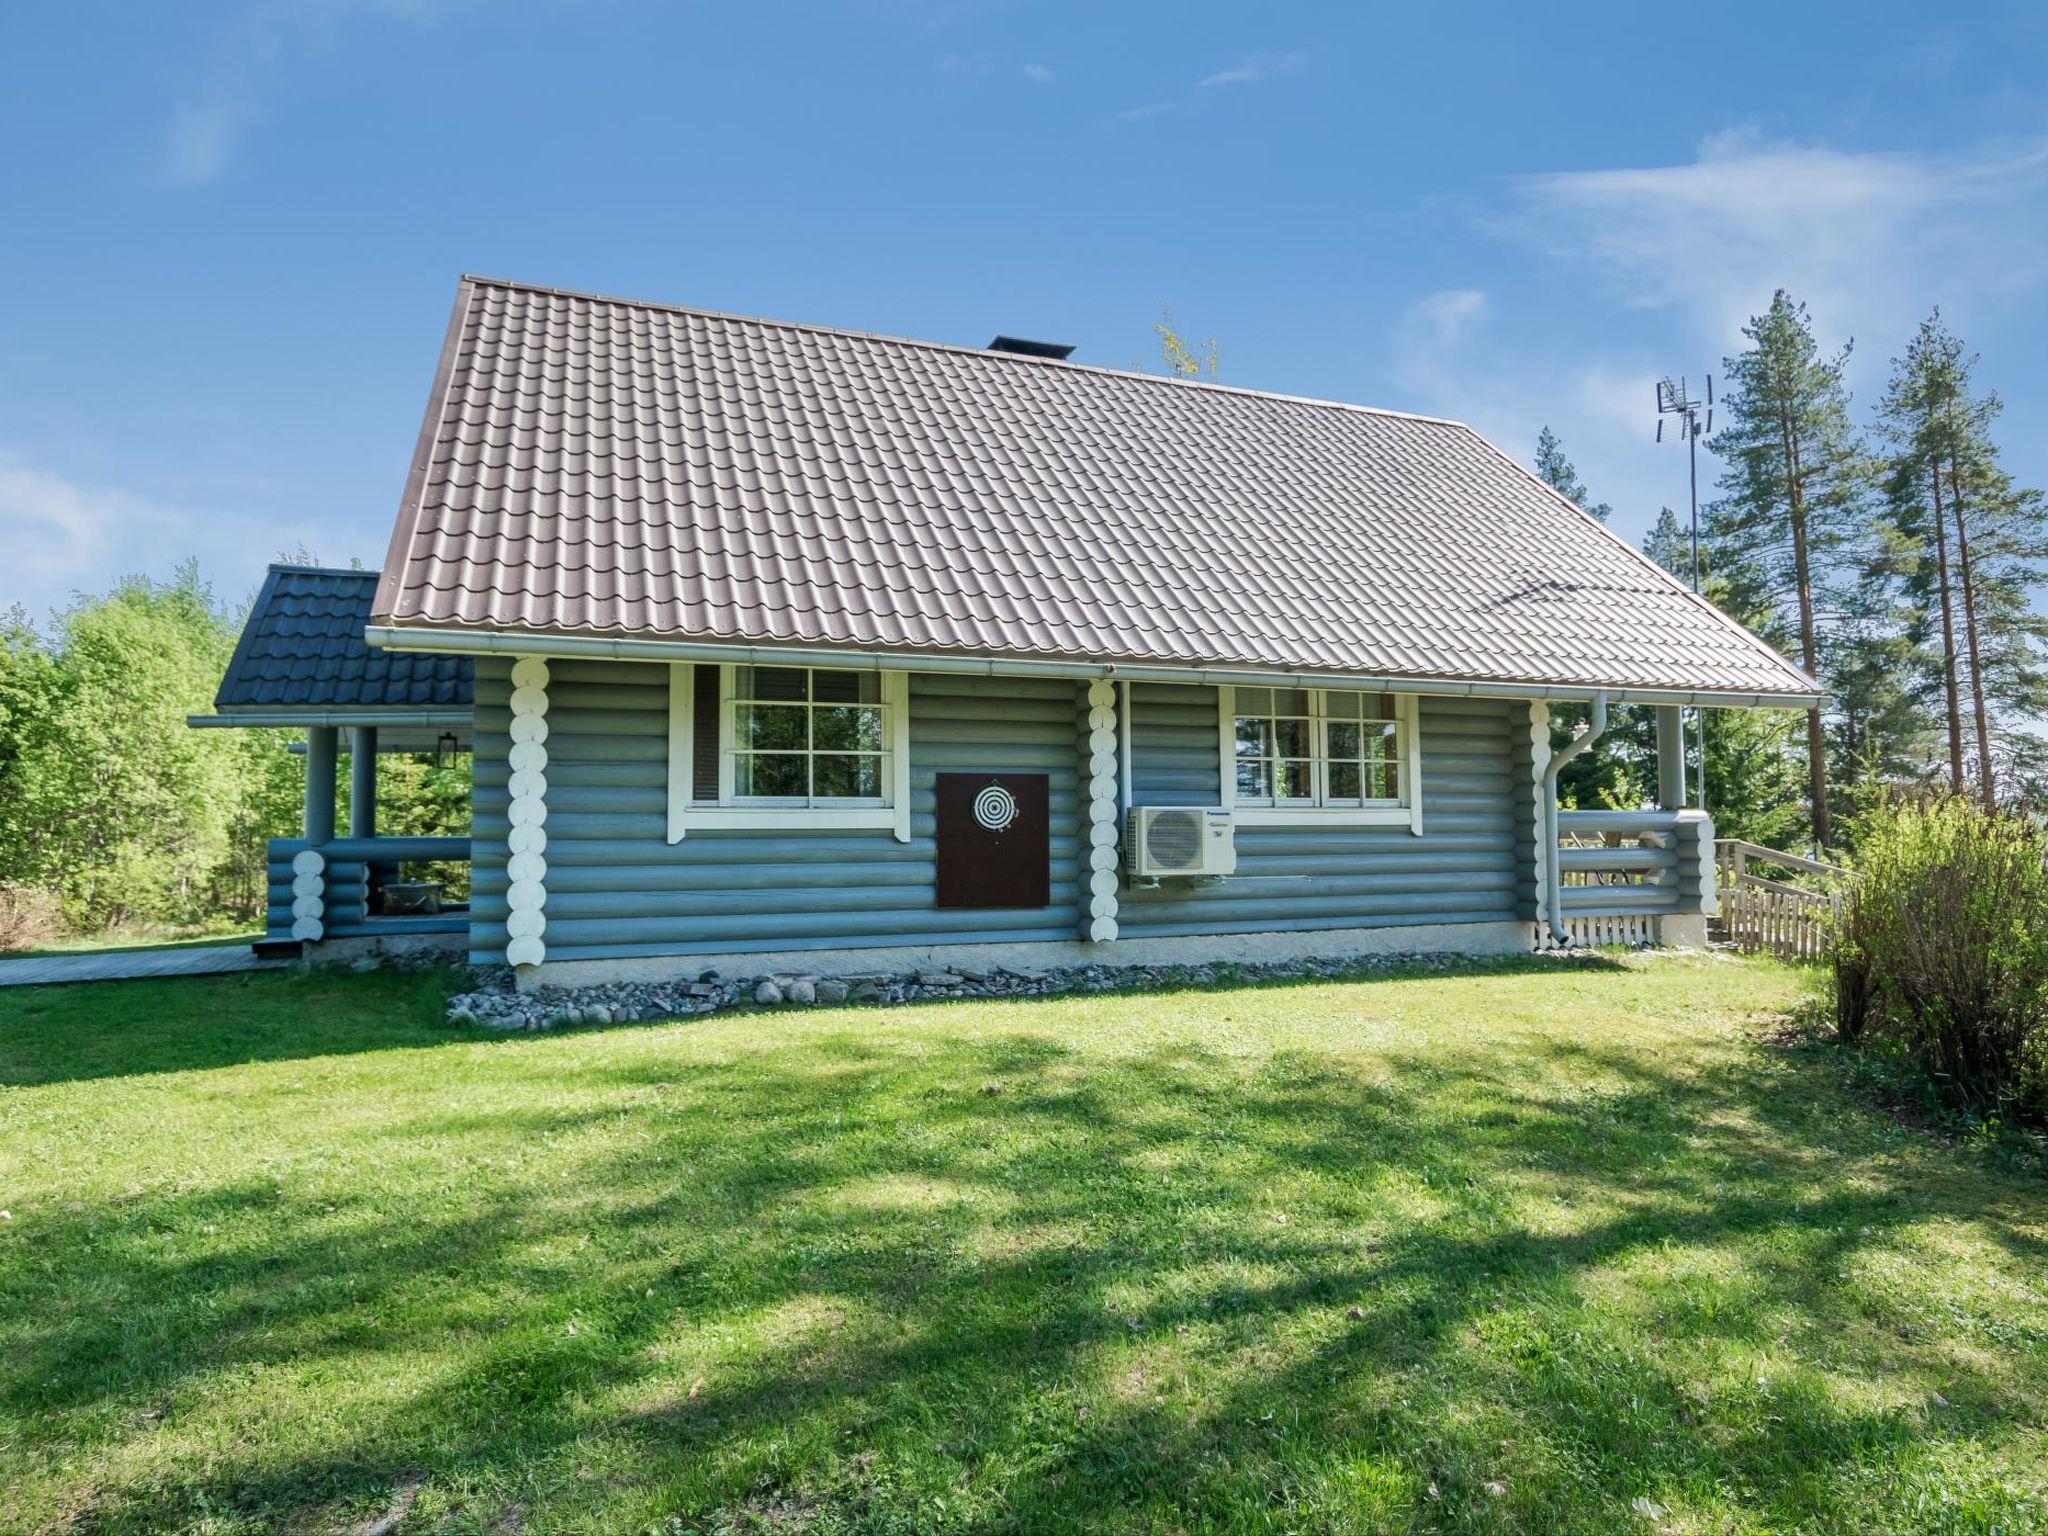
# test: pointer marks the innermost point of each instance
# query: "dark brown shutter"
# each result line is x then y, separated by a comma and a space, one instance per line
704, 733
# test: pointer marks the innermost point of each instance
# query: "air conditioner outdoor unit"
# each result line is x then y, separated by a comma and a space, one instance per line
1170, 840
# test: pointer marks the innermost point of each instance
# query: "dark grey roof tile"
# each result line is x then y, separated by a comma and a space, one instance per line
302, 646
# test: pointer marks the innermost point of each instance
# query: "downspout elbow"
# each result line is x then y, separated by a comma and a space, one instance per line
1596, 727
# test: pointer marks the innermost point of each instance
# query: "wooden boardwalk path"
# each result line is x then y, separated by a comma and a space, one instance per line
133, 964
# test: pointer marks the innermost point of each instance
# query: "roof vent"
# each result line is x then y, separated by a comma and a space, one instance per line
1024, 348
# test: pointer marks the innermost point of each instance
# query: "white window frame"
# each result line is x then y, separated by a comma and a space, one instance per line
729, 812
1408, 745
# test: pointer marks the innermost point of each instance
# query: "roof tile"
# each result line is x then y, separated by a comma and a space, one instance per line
600, 466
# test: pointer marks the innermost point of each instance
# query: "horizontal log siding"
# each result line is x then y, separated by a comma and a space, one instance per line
489, 804
1175, 751
1467, 866
616, 888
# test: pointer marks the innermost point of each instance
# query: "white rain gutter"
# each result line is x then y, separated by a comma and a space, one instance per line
1553, 865
478, 642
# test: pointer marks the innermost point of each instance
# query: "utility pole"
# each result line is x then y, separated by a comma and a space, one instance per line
1673, 399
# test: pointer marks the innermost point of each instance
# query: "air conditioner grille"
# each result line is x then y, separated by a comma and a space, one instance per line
1175, 839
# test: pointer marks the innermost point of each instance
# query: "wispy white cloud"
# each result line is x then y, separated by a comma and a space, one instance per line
1038, 74
1868, 239
230, 89
64, 534
1149, 110
1255, 67
59, 534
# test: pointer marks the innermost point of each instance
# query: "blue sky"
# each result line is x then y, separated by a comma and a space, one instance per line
230, 233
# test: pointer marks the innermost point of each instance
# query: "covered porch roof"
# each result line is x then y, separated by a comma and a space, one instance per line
303, 661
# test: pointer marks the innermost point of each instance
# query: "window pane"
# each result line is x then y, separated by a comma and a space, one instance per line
1291, 737
772, 775
1342, 706
1255, 701
1344, 781
1254, 779
1383, 707
1388, 778
834, 687
769, 727
846, 728
836, 777
1344, 740
1386, 734
777, 683
1254, 738
1294, 781
1290, 701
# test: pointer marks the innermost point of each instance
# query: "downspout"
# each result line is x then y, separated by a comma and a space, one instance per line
1594, 730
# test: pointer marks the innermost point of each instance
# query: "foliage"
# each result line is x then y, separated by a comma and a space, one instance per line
1941, 950
120, 811
1502, 1249
1557, 472
1970, 549
1184, 359
1794, 508
28, 918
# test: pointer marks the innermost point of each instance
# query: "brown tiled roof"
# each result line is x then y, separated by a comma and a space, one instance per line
593, 466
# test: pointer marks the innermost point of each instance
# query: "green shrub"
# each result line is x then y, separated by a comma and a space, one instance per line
27, 918
1941, 951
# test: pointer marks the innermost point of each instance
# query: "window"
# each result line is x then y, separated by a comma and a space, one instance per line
765, 747
1320, 754
806, 736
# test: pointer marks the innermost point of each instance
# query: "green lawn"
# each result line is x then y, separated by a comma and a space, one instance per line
1533, 1249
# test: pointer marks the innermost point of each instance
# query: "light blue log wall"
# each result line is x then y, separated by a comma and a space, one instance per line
1471, 863
616, 888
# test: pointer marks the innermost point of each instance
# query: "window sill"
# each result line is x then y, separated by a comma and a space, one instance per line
792, 818
1328, 816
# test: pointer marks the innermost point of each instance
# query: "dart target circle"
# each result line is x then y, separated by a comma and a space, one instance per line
995, 808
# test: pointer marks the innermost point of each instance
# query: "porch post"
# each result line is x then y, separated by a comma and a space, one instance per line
1670, 759
322, 742
309, 864
362, 782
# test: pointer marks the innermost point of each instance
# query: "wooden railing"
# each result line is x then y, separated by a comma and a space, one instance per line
1763, 915
1620, 872
325, 892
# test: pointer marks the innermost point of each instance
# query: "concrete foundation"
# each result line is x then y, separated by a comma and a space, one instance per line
1503, 938
367, 951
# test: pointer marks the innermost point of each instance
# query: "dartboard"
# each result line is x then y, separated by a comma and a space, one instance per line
995, 808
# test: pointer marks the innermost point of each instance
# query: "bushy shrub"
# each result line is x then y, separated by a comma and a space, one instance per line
1941, 951
27, 918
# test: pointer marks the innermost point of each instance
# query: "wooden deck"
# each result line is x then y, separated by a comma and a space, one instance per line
133, 964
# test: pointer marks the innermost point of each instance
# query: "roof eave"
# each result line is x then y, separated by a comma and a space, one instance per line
473, 641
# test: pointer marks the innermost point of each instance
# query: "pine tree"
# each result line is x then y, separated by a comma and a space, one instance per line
1558, 472
1752, 784
1972, 547
1794, 500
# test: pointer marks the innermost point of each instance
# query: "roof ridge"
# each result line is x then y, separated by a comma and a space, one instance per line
853, 333
323, 570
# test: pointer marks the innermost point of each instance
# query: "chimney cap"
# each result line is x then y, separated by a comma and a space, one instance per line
1025, 347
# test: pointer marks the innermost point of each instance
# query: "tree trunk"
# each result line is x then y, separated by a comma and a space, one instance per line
1985, 783
1809, 649
1948, 638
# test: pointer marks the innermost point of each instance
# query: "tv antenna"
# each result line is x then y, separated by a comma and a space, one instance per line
1675, 399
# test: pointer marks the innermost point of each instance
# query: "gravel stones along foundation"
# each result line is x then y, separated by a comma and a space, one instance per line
493, 1003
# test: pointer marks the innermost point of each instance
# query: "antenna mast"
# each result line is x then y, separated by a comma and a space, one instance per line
1674, 399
